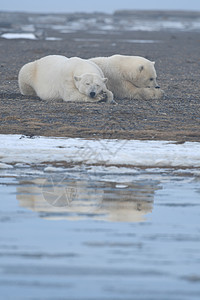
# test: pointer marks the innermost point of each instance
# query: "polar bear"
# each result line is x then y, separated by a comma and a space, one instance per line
58, 77
131, 77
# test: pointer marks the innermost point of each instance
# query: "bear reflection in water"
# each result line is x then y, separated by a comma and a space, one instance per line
79, 199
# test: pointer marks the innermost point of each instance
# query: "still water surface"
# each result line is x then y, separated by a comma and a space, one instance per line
128, 236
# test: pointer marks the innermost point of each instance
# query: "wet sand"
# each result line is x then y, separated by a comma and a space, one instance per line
177, 63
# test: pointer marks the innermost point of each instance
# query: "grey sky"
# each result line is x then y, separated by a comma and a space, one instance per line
108, 6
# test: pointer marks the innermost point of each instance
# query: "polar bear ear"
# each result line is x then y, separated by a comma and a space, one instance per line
77, 78
153, 62
141, 68
105, 80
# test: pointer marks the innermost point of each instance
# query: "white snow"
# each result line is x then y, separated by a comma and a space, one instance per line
5, 166
120, 186
18, 149
123, 41
52, 39
140, 41
29, 36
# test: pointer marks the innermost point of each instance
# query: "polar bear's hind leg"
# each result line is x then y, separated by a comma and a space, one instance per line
25, 79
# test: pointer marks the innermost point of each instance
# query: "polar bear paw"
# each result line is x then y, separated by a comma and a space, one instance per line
151, 93
106, 96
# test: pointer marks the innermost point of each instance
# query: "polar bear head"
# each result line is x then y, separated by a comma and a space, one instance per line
142, 72
90, 84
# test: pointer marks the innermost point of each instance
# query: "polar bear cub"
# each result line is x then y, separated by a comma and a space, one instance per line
58, 77
131, 77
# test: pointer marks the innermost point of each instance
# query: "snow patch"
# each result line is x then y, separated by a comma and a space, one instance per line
48, 150
10, 36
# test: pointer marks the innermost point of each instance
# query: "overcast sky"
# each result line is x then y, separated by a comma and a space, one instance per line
108, 6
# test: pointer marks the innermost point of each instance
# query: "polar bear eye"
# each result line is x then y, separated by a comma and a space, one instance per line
151, 79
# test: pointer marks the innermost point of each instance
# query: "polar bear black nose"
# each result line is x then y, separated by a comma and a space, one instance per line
157, 87
92, 94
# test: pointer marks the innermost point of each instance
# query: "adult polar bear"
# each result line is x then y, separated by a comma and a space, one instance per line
131, 77
58, 77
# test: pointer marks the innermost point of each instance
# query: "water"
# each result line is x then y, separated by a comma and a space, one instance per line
80, 234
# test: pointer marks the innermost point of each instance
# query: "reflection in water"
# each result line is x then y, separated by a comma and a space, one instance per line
77, 199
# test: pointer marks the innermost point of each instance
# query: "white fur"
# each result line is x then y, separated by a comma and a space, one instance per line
58, 77
131, 77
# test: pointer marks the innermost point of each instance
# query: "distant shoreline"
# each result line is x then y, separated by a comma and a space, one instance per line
149, 12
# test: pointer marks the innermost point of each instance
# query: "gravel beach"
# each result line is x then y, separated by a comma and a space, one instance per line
175, 51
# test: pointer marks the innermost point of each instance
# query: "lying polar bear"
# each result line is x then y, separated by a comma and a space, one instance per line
131, 77
58, 77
